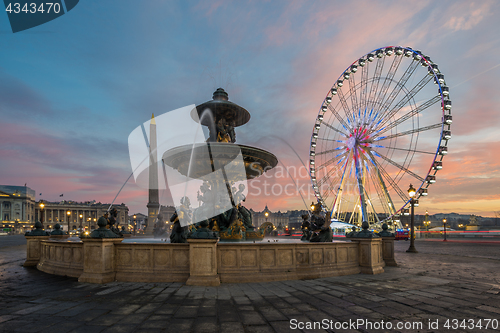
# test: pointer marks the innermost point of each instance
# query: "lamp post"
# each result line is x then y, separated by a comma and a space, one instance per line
266, 214
135, 224
68, 213
41, 212
81, 226
444, 230
411, 193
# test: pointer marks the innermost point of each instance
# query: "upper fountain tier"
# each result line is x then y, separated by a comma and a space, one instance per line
221, 108
220, 152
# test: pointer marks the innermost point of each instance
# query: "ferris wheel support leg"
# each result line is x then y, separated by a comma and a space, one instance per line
361, 188
338, 199
392, 209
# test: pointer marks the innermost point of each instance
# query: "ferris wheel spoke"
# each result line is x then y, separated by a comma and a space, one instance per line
415, 130
388, 79
352, 91
404, 149
326, 177
399, 86
330, 189
345, 106
376, 80
412, 113
339, 118
391, 181
333, 129
387, 196
364, 87
399, 166
330, 161
329, 151
408, 97
378, 185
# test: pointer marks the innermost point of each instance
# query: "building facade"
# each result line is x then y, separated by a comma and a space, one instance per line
137, 221
17, 208
72, 215
278, 219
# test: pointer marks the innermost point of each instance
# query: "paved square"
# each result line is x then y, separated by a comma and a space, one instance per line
443, 282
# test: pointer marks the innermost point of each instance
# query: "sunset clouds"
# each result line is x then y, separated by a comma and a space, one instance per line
73, 89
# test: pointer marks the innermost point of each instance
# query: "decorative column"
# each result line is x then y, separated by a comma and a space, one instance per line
34, 245
369, 249
388, 246
203, 263
99, 255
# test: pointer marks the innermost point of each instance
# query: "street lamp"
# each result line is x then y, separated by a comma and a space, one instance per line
411, 193
135, 224
444, 230
68, 213
81, 226
266, 214
41, 212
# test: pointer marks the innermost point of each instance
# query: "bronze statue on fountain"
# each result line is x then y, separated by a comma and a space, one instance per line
179, 233
159, 228
320, 225
219, 163
111, 217
306, 228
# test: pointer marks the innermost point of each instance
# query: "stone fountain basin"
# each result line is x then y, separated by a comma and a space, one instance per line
205, 158
142, 260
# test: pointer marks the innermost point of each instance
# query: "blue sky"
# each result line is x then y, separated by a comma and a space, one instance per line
73, 89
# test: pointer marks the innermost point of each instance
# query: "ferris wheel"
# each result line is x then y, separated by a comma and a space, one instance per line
385, 124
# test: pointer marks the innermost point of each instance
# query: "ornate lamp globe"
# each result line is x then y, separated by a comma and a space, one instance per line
412, 191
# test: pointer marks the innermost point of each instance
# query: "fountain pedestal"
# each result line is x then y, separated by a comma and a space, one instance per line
203, 263
370, 255
388, 251
33, 248
99, 260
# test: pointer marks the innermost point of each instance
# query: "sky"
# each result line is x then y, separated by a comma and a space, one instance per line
73, 89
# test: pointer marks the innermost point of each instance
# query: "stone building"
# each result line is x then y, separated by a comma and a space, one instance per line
276, 218
77, 214
17, 208
140, 221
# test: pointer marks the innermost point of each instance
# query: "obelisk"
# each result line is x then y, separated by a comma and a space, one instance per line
154, 202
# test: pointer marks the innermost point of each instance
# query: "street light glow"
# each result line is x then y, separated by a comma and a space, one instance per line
411, 191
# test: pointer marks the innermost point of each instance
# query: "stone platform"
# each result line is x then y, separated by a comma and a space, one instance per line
207, 262
443, 281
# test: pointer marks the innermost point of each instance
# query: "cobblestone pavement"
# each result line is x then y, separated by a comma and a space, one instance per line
444, 281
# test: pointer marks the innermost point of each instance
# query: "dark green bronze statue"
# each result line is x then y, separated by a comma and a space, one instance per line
320, 225
38, 230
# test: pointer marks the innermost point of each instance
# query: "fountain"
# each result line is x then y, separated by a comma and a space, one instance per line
220, 163
195, 256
